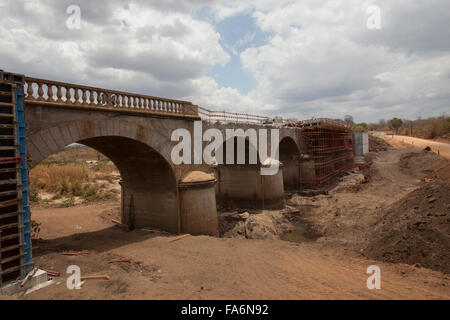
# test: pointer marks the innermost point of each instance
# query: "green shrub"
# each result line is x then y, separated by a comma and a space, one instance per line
33, 194
90, 193
69, 202
35, 228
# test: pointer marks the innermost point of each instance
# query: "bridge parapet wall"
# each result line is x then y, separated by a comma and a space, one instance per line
41, 91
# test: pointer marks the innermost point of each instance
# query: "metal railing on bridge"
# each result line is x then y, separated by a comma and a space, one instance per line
231, 116
41, 91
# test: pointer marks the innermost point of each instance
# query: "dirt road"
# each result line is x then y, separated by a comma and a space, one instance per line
439, 147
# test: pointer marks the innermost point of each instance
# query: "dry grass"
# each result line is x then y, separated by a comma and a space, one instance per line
105, 168
60, 178
71, 175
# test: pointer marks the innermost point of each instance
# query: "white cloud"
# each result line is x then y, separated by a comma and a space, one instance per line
166, 49
319, 60
323, 61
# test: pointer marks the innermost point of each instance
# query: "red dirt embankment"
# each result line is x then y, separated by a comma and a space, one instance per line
415, 229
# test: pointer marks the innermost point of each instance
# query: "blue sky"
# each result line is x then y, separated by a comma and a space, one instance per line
237, 33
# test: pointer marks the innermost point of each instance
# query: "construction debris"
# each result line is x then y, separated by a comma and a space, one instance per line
74, 253
101, 277
120, 260
179, 238
117, 222
52, 273
29, 275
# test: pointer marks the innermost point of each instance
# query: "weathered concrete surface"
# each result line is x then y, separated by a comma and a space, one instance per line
243, 186
198, 207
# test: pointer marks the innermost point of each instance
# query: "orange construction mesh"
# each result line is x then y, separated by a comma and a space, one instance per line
331, 152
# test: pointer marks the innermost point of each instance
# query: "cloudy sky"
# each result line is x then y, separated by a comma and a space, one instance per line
302, 59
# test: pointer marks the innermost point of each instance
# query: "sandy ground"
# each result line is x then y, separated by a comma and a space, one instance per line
224, 268
441, 147
332, 267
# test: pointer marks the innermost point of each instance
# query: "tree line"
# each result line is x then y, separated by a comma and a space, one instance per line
429, 128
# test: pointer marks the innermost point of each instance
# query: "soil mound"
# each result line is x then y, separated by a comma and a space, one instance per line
422, 163
415, 229
267, 225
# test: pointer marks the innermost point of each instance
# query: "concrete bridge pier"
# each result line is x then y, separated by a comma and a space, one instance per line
198, 210
243, 186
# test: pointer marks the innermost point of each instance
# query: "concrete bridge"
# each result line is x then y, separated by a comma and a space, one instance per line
134, 131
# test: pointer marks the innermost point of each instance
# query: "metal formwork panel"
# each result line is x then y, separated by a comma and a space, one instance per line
15, 234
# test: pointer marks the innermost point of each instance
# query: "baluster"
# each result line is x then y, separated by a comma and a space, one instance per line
59, 94
30, 90
135, 102
95, 97
141, 103
68, 100
77, 96
40, 92
104, 99
84, 97
50, 93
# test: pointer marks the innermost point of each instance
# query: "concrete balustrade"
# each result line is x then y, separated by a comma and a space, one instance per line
42, 91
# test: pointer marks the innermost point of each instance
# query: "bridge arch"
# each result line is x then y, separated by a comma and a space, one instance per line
142, 156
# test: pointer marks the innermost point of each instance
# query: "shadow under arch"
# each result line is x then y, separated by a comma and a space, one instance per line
290, 158
149, 189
